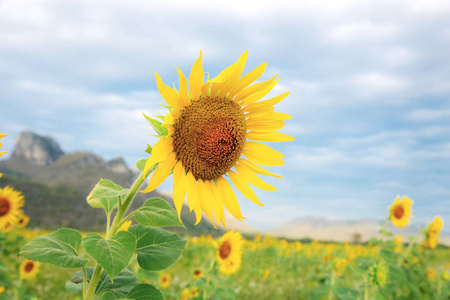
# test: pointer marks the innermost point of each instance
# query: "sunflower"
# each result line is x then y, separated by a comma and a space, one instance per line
432, 233
378, 274
209, 129
10, 203
23, 221
29, 269
1, 144
125, 225
229, 252
400, 211
164, 280
198, 274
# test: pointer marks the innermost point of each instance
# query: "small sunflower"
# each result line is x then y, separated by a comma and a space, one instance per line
194, 293
1, 144
2, 289
23, 221
378, 274
124, 226
266, 273
398, 240
210, 127
431, 273
11, 202
184, 294
432, 233
198, 274
164, 280
400, 211
29, 269
229, 252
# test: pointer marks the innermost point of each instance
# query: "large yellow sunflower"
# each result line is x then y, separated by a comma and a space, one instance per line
400, 211
11, 202
210, 127
229, 252
1, 144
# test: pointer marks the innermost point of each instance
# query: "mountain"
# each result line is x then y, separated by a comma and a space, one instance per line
341, 230
55, 185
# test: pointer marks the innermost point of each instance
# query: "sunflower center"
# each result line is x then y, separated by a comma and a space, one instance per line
29, 266
5, 205
399, 211
209, 136
225, 250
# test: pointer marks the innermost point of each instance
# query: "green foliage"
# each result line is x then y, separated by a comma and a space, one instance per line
106, 195
157, 212
112, 254
123, 283
144, 292
157, 249
59, 248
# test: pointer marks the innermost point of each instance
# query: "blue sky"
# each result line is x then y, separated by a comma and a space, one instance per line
369, 83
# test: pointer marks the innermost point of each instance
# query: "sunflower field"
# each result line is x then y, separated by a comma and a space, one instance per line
209, 127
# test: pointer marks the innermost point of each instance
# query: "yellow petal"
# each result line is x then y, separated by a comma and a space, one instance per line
251, 178
248, 79
229, 198
193, 196
258, 95
243, 187
205, 199
169, 95
216, 202
196, 78
179, 187
255, 88
266, 103
257, 169
160, 152
269, 136
161, 173
184, 98
233, 79
262, 154
265, 126
270, 116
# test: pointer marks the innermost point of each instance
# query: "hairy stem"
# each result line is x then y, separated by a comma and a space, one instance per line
110, 231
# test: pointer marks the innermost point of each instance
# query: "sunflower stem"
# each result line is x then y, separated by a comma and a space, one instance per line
111, 230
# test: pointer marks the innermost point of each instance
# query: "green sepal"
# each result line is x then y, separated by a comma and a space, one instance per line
157, 126
149, 149
105, 195
157, 212
156, 248
112, 254
140, 164
59, 248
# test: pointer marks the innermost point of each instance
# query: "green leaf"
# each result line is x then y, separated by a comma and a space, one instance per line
112, 254
107, 296
157, 249
73, 287
157, 126
105, 195
59, 248
157, 212
144, 291
122, 285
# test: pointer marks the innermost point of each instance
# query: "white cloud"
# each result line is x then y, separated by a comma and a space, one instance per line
427, 115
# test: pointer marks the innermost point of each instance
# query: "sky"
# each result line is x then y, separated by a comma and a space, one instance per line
369, 86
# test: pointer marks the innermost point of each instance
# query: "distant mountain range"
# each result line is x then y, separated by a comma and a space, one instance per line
55, 185
341, 230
